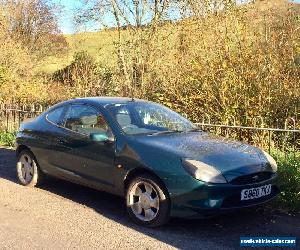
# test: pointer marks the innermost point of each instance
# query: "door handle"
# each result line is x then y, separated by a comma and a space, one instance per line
61, 141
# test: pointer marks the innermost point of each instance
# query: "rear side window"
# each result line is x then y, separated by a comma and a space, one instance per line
55, 115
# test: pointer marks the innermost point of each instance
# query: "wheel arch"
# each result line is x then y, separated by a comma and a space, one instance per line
165, 203
138, 172
20, 148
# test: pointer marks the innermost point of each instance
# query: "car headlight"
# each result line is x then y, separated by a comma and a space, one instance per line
203, 172
271, 161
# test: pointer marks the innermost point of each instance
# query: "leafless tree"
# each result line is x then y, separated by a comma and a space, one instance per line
136, 22
34, 24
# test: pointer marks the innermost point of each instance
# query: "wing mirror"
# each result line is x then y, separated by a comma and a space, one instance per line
99, 137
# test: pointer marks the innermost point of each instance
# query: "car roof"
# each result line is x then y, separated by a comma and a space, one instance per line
102, 100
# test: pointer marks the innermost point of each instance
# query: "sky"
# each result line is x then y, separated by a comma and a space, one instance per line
65, 17
69, 7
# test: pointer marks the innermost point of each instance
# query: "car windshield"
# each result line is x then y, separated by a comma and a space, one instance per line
148, 118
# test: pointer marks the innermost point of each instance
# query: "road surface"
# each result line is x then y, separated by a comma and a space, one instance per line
61, 215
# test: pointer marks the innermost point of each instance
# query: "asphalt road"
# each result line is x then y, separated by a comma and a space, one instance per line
61, 215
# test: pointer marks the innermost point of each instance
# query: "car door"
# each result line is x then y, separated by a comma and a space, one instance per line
85, 160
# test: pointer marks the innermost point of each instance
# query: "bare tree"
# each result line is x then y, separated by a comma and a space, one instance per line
136, 22
205, 7
33, 23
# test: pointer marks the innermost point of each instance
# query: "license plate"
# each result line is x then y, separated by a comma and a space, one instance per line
254, 193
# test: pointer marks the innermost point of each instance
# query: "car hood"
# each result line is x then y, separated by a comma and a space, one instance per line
231, 158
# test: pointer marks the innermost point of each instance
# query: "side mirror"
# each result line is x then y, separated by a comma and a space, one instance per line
100, 137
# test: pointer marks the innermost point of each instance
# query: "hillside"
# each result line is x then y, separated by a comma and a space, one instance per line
98, 44
101, 44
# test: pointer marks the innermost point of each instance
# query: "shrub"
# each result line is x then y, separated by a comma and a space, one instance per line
85, 76
3, 75
289, 180
7, 139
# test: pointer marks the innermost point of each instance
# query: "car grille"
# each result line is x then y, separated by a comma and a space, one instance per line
252, 178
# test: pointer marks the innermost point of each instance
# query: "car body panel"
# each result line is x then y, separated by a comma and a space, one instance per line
210, 199
231, 158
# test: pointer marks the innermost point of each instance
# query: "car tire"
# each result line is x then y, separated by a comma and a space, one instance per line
145, 207
28, 171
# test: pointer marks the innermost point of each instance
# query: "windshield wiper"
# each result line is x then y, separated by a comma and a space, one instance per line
175, 131
194, 130
166, 132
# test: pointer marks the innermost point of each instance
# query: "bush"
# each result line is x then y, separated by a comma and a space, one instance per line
289, 180
85, 77
3, 75
7, 139
82, 68
237, 65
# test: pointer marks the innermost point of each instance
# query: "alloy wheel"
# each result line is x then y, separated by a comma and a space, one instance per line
144, 201
27, 168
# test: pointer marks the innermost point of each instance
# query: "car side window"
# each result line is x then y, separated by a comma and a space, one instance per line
86, 120
54, 116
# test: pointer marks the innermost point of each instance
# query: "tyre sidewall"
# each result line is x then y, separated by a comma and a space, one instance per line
35, 176
164, 202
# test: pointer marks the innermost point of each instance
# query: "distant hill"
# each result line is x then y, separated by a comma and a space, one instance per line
101, 44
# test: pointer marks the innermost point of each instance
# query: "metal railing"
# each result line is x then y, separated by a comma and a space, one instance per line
285, 139
11, 115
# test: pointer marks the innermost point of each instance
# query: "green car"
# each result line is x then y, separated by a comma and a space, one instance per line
159, 161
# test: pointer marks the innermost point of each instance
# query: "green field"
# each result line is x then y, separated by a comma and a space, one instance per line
98, 44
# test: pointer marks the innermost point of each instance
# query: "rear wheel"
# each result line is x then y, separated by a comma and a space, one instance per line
148, 202
28, 171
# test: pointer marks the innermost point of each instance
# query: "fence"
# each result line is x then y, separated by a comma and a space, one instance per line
285, 139
11, 115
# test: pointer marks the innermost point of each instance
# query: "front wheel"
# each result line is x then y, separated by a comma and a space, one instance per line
147, 201
28, 172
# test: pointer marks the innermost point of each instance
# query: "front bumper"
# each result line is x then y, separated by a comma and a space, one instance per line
211, 199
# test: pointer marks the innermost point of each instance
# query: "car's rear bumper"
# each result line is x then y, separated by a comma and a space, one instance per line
212, 199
